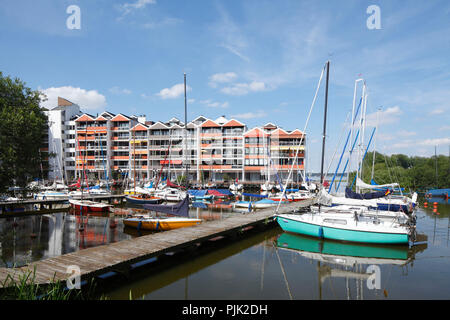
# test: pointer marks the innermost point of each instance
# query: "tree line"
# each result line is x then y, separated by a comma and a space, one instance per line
411, 172
23, 126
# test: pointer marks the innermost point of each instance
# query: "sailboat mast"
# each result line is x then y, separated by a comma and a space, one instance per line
185, 134
436, 165
374, 145
324, 124
84, 159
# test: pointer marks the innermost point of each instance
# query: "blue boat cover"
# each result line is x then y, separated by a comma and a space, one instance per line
438, 192
179, 209
365, 196
254, 195
197, 193
199, 204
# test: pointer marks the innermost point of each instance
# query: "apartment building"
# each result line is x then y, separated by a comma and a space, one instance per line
205, 150
61, 140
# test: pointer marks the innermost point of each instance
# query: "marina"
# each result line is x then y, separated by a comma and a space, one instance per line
180, 276
99, 260
224, 150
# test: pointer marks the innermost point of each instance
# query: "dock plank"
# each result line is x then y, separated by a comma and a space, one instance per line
97, 260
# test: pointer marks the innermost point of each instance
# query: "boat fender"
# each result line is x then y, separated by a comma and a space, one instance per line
139, 225
157, 226
320, 232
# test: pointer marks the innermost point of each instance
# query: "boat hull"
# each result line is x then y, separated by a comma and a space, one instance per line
138, 200
89, 206
321, 231
160, 224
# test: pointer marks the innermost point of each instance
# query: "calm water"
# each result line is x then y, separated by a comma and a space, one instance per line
267, 265
277, 265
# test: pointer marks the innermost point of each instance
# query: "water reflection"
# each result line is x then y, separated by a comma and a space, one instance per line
32, 238
27, 239
349, 261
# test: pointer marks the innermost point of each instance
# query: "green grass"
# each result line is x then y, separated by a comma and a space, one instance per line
26, 288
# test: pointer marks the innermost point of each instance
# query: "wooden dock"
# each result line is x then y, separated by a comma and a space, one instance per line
33, 206
121, 256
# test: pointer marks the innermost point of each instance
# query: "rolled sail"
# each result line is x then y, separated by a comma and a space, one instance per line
365, 196
179, 209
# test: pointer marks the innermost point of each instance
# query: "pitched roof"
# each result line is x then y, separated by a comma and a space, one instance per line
234, 123
159, 125
139, 127
255, 132
121, 117
85, 117
64, 102
296, 134
209, 124
270, 125
280, 133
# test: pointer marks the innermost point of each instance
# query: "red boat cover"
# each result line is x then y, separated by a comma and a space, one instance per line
170, 184
216, 193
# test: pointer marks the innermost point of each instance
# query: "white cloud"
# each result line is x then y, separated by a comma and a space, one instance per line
239, 89
86, 99
128, 7
173, 92
390, 115
437, 111
118, 90
215, 104
168, 21
444, 128
424, 143
230, 35
250, 115
405, 133
221, 78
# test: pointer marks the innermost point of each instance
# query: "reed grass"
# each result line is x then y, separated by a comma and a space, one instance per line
26, 288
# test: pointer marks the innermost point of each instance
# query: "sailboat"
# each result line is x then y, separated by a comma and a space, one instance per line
81, 205
148, 222
347, 225
140, 198
180, 210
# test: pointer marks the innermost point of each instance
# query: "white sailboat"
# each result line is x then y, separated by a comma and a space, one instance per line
347, 224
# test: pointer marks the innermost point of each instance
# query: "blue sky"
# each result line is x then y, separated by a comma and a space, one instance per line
257, 61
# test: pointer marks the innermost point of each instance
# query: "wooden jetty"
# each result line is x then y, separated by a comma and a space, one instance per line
33, 206
120, 257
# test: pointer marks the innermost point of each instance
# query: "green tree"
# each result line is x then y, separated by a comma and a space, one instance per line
412, 173
23, 126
